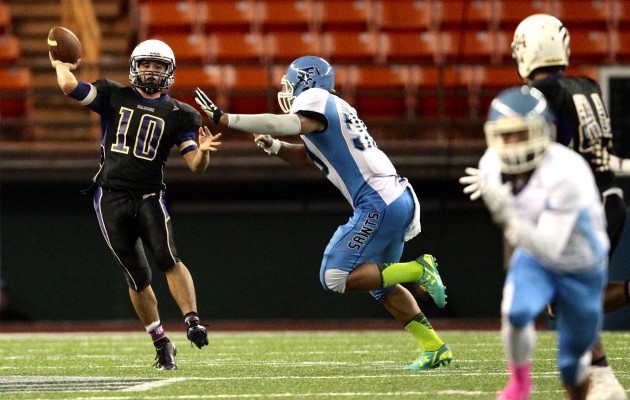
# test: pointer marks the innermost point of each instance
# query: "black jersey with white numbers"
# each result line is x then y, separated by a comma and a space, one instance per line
582, 121
137, 133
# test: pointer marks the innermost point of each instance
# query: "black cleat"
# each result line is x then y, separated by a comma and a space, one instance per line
197, 334
165, 357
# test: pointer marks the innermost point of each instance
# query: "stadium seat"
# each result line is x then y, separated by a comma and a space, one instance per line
230, 47
404, 16
464, 14
227, 15
188, 48
285, 15
406, 47
590, 46
164, 17
5, 18
187, 78
380, 92
9, 49
509, 13
583, 14
349, 47
488, 81
284, 47
248, 90
441, 91
620, 12
620, 45
15, 85
470, 46
340, 15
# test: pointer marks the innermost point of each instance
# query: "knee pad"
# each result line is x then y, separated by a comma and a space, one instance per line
335, 280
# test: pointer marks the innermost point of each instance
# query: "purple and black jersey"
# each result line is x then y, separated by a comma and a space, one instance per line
582, 121
137, 133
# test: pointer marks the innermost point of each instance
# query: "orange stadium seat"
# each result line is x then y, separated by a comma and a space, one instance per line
188, 48
227, 15
404, 15
470, 46
620, 11
187, 78
349, 47
5, 18
381, 92
338, 15
582, 14
15, 84
160, 17
9, 49
620, 45
590, 46
509, 13
407, 47
464, 14
441, 91
231, 47
284, 47
283, 15
488, 81
248, 89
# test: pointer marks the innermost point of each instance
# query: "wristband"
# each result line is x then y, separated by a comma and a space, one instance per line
274, 148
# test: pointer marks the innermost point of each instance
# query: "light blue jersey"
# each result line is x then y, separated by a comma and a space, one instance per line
386, 210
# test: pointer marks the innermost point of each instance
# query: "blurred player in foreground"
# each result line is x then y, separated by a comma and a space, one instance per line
541, 50
545, 199
140, 126
363, 255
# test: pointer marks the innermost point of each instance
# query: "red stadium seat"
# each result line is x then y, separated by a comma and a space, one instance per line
470, 46
284, 15
381, 92
620, 12
584, 14
5, 19
590, 46
339, 15
407, 47
620, 45
489, 81
248, 89
9, 49
164, 17
441, 91
509, 13
230, 47
404, 16
187, 78
188, 48
349, 47
284, 47
15, 85
464, 14
227, 15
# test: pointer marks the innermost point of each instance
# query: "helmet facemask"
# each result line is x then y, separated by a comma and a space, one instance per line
148, 81
285, 95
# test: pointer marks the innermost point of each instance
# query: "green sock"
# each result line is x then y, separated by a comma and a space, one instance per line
421, 329
400, 272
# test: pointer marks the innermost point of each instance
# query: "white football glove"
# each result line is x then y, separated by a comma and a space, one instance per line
212, 111
497, 200
474, 183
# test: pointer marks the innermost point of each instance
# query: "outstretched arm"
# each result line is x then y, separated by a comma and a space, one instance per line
65, 78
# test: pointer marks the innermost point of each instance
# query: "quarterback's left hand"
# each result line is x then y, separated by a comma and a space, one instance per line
212, 111
473, 182
497, 200
208, 141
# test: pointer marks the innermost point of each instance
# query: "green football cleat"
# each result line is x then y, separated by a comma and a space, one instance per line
432, 359
430, 280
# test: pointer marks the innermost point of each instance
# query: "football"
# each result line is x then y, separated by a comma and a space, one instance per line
64, 45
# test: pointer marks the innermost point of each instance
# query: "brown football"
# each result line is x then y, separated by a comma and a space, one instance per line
64, 45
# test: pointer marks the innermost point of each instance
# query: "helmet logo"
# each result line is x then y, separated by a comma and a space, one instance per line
306, 75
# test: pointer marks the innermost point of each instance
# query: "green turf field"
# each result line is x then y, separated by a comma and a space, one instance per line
270, 365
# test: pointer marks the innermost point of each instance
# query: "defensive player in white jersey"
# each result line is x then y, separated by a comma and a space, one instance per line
544, 197
364, 254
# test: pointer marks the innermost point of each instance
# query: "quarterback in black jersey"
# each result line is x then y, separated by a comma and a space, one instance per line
541, 49
140, 125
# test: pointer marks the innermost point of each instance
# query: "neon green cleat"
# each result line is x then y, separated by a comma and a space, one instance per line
430, 280
432, 359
